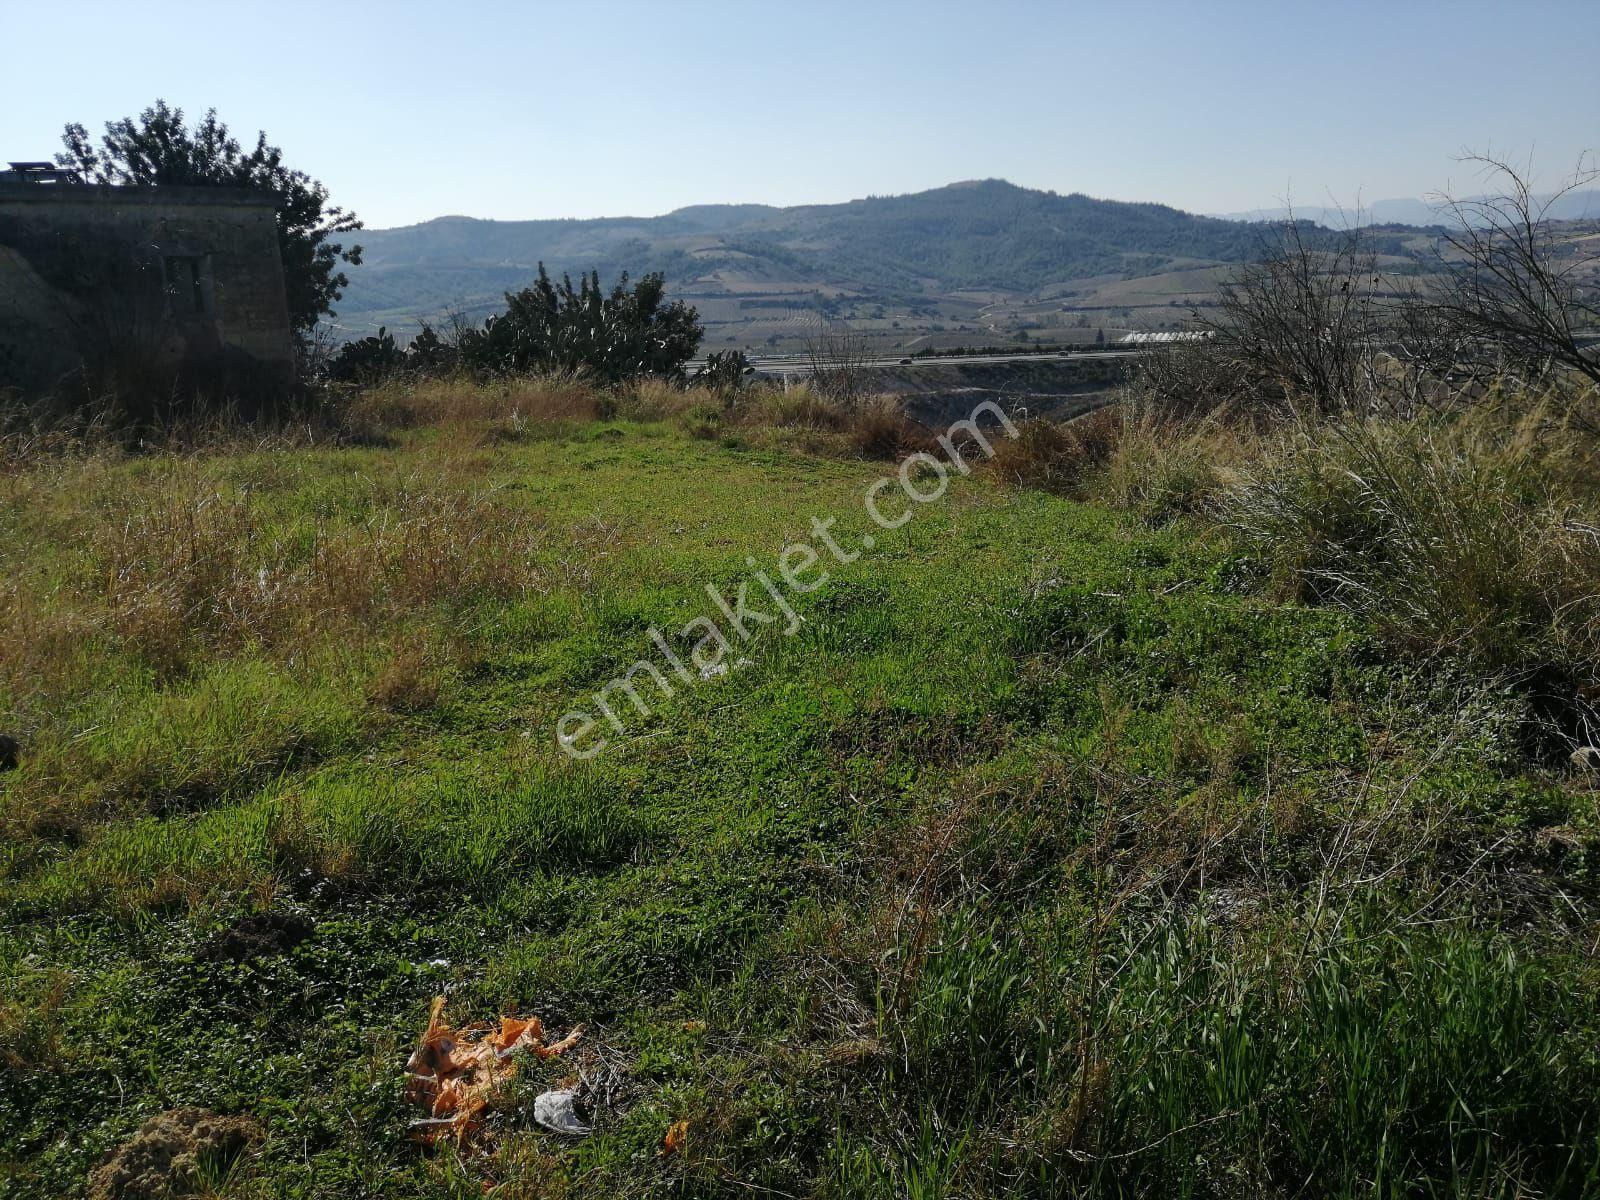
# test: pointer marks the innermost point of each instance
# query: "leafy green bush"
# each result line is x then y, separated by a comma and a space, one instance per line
605, 337
585, 330
368, 359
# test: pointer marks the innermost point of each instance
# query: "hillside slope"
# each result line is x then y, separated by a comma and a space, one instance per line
906, 250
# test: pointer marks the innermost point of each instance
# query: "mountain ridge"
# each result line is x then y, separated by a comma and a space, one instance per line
909, 252
1416, 211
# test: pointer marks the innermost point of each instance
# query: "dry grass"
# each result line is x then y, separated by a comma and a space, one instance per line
1058, 457
1470, 530
1162, 467
648, 400
798, 408
30, 1027
794, 418
191, 564
464, 413
879, 429
1478, 535
186, 625
190, 556
1149, 896
410, 678
457, 401
186, 563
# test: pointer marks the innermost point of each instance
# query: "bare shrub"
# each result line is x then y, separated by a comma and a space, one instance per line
838, 359
1518, 287
879, 428
1189, 380
1303, 319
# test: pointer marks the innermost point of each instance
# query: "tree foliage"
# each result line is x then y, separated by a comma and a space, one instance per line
586, 330
582, 329
160, 149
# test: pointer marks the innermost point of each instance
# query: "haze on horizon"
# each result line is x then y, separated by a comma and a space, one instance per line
409, 111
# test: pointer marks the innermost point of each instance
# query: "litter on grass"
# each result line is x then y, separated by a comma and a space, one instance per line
673, 1140
554, 1110
455, 1072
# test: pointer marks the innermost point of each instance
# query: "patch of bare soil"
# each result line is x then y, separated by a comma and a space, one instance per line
176, 1153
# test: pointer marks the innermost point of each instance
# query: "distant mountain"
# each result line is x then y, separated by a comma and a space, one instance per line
901, 250
1574, 206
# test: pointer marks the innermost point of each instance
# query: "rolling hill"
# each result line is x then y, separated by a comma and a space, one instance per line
932, 262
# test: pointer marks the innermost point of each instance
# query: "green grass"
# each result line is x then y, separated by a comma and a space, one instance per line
1052, 857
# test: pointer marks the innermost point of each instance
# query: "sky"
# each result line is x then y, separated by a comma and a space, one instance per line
493, 108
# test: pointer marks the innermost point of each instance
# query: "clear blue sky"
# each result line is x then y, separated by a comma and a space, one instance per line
504, 109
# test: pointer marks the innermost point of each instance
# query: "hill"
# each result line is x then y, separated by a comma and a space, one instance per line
935, 258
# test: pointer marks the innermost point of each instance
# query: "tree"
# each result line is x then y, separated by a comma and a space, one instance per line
838, 360
1303, 317
160, 149
1517, 284
585, 330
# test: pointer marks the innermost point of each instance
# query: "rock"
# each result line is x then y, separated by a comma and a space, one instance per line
1587, 758
255, 936
1228, 905
10, 753
175, 1153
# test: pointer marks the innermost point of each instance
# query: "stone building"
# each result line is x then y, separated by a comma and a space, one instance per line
165, 284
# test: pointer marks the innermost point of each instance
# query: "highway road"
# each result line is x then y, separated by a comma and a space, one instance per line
800, 364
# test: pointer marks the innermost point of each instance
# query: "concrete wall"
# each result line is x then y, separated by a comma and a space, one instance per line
188, 279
